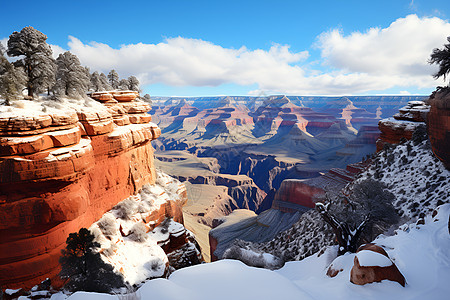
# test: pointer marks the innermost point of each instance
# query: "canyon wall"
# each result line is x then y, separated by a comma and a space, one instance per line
438, 125
62, 170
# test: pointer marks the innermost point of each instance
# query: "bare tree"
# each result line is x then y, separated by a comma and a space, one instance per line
359, 214
71, 77
113, 79
37, 61
348, 238
442, 58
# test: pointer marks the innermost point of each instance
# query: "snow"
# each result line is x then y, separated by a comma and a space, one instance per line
369, 258
143, 259
425, 267
400, 124
44, 106
11, 291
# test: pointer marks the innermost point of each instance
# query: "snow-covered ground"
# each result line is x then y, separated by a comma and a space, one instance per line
421, 253
132, 246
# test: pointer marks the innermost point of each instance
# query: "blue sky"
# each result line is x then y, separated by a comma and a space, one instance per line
247, 47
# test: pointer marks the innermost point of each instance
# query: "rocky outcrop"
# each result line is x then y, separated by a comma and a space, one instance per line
62, 171
438, 125
294, 195
372, 264
403, 124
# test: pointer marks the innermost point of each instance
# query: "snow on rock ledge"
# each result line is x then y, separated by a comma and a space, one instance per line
139, 233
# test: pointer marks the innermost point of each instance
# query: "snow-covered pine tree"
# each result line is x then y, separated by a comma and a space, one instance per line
71, 77
96, 82
105, 84
12, 79
37, 61
133, 83
113, 79
124, 84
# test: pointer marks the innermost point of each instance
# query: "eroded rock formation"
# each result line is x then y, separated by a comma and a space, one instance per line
402, 125
61, 171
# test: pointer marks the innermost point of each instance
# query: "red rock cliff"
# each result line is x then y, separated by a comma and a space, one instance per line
438, 125
62, 171
402, 124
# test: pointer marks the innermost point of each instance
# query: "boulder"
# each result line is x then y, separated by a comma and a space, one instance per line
372, 264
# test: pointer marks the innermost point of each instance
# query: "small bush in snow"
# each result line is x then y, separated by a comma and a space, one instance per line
138, 232
251, 256
111, 250
108, 225
125, 209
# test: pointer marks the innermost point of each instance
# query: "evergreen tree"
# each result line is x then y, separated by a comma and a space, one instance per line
105, 84
124, 84
442, 58
113, 79
71, 77
147, 98
96, 82
12, 80
83, 267
133, 83
37, 61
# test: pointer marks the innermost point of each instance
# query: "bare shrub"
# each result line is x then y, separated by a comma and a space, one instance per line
125, 209
108, 225
251, 256
138, 232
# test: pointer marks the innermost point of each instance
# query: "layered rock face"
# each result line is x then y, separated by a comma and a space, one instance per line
403, 124
438, 125
63, 170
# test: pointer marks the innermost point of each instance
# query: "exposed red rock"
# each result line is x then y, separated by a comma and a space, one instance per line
403, 124
53, 181
293, 193
438, 126
361, 274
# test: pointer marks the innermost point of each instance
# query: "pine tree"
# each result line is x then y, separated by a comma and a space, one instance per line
442, 58
113, 79
124, 84
12, 79
96, 82
71, 77
38, 63
133, 83
105, 84
83, 267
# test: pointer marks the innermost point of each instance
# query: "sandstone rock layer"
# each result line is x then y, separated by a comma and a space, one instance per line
58, 174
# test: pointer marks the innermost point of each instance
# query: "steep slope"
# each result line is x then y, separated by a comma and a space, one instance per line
410, 171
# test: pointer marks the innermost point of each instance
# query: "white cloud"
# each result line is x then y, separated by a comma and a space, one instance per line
399, 52
181, 61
